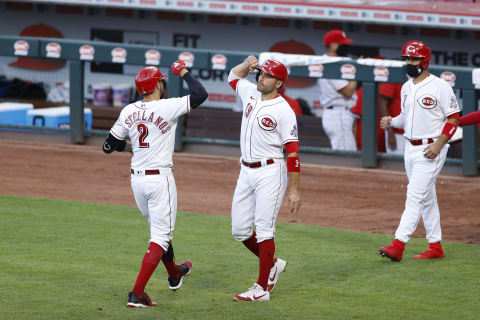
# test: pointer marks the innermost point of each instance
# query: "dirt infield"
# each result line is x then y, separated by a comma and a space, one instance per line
345, 198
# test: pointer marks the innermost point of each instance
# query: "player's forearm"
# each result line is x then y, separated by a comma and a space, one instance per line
350, 89
383, 107
198, 94
294, 181
241, 70
469, 119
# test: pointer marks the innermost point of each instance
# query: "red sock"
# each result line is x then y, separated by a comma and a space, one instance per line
251, 244
267, 252
149, 263
171, 268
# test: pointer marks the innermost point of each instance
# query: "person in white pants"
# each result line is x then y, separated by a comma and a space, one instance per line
428, 116
337, 97
268, 125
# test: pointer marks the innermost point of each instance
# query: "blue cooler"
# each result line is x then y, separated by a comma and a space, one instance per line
57, 117
14, 113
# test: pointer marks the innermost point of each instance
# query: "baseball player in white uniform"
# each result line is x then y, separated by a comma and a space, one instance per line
150, 124
337, 97
268, 125
428, 116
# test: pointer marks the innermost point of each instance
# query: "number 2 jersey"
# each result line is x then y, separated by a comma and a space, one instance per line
266, 125
151, 127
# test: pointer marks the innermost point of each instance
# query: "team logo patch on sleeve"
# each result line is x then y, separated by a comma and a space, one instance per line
427, 101
294, 132
267, 122
453, 102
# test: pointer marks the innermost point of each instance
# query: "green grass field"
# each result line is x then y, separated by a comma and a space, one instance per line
71, 260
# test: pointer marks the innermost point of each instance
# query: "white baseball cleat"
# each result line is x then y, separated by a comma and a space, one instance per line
255, 293
278, 268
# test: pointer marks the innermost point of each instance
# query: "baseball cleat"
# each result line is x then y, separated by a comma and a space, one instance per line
135, 302
279, 267
184, 269
255, 293
394, 251
434, 251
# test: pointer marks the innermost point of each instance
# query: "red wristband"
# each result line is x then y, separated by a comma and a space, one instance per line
293, 164
449, 129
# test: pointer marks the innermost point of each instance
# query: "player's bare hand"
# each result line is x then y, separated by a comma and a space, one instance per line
392, 141
385, 122
293, 202
432, 150
251, 62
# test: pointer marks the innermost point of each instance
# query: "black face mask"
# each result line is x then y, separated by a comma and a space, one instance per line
342, 50
412, 70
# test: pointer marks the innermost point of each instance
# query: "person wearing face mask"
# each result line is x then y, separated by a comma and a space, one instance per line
429, 111
337, 97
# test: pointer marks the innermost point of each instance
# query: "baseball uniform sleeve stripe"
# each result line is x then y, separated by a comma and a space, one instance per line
233, 84
290, 140
291, 147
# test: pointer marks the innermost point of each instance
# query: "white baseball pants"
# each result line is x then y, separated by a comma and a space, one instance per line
421, 194
400, 143
338, 125
257, 200
156, 197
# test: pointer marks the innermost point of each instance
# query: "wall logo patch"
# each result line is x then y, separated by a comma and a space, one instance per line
53, 50
348, 71
87, 52
427, 101
380, 74
152, 57
450, 77
21, 48
188, 57
119, 55
267, 122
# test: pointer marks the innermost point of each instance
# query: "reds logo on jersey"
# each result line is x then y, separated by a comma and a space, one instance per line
267, 122
427, 101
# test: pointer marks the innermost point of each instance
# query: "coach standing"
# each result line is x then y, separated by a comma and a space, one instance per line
337, 97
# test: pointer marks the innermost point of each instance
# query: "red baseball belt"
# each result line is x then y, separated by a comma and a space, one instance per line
421, 141
256, 164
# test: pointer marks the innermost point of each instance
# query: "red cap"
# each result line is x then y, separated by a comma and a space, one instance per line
336, 36
43, 31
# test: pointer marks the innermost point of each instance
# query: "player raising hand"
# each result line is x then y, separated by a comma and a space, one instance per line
151, 124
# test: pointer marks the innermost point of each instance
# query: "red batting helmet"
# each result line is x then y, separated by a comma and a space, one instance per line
147, 79
417, 49
275, 69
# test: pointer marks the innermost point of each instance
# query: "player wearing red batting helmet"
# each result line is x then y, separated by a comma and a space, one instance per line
429, 113
268, 125
151, 125
275, 69
416, 50
147, 79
